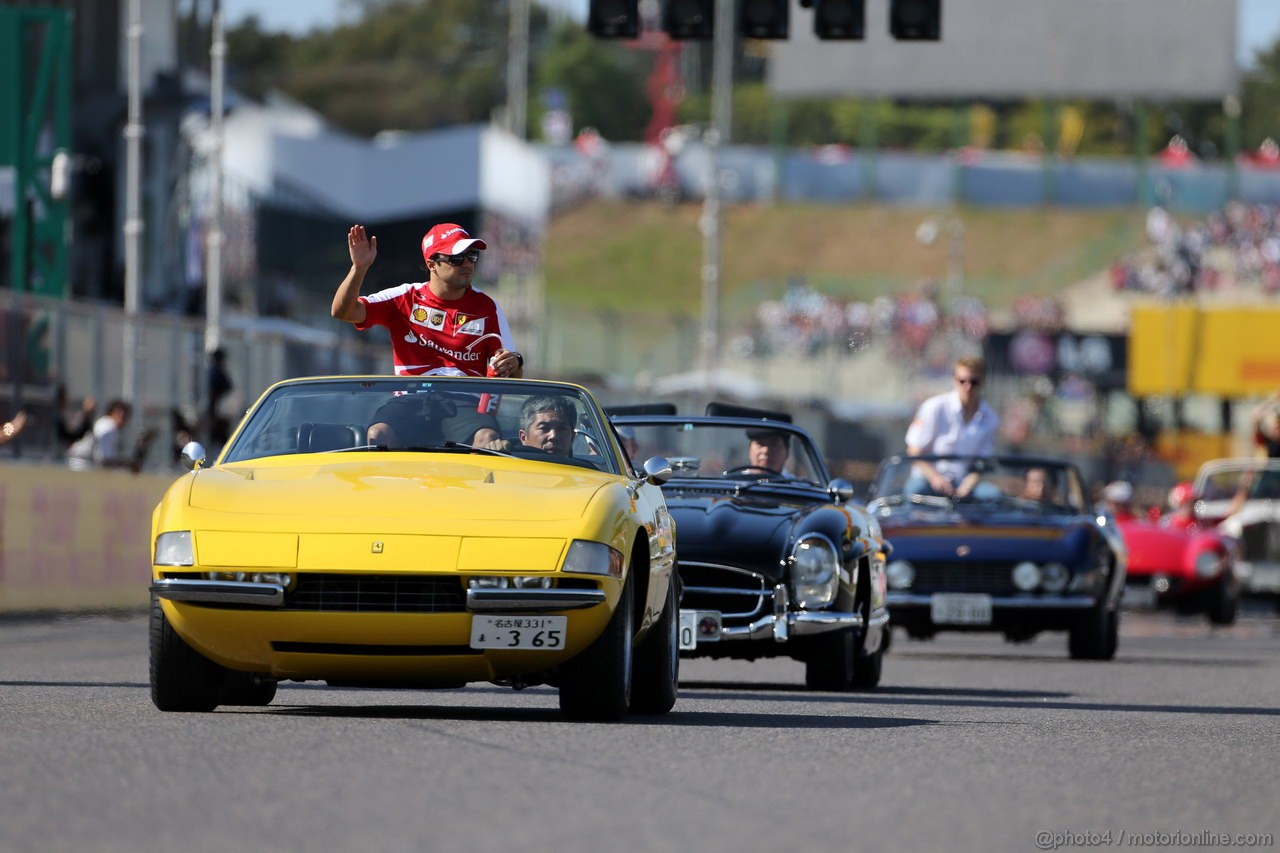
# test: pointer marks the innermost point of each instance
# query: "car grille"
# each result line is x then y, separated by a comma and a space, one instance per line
740, 596
376, 594
1260, 542
964, 577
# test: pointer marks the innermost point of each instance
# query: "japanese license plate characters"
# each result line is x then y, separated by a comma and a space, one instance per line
539, 633
960, 609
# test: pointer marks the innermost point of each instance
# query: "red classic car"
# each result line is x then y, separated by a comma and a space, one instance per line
1192, 570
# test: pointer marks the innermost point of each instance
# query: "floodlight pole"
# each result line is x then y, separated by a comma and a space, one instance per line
712, 216
213, 253
518, 68
133, 132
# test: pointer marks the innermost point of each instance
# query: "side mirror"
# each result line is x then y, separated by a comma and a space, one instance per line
193, 455
657, 470
840, 489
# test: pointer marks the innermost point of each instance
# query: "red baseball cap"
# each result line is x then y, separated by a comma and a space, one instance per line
449, 239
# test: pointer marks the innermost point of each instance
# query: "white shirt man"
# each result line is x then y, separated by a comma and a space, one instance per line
101, 446
957, 422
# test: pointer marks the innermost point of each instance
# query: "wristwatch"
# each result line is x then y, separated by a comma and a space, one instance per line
519, 359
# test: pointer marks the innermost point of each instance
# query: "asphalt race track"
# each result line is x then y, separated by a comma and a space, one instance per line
970, 744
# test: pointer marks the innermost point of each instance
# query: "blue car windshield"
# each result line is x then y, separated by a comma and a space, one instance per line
1036, 485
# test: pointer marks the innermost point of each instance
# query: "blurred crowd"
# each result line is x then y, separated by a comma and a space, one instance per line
1235, 249
806, 322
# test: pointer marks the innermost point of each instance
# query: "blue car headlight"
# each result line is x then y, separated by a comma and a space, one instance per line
1054, 577
815, 572
900, 574
174, 549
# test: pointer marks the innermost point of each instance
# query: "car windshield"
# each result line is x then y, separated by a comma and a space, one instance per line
717, 451
1032, 485
335, 415
1260, 482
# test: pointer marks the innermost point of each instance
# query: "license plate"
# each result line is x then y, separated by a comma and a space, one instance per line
688, 629
540, 633
958, 609
1138, 596
699, 626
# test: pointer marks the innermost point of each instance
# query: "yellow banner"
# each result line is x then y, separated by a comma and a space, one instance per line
1184, 348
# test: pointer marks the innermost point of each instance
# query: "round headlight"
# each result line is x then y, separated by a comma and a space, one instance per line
1160, 584
900, 574
1207, 564
815, 572
1054, 577
1026, 576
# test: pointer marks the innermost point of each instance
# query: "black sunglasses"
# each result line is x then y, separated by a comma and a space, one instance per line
458, 260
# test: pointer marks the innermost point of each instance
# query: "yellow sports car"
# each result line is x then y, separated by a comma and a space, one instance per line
417, 531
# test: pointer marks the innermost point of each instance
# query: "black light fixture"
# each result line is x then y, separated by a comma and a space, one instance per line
840, 19
764, 19
915, 20
614, 19
689, 19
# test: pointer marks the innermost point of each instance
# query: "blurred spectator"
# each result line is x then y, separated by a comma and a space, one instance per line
1237, 247
103, 446
184, 431
1181, 514
218, 386
71, 427
1117, 499
1265, 421
12, 428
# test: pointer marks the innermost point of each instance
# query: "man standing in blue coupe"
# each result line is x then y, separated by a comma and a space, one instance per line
957, 422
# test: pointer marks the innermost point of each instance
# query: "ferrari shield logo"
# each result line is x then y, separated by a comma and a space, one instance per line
469, 325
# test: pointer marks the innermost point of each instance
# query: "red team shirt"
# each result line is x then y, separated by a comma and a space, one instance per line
430, 335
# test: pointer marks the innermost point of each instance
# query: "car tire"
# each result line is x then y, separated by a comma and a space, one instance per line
656, 677
1095, 637
595, 685
1224, 602
247, 688
181, 678
830, 664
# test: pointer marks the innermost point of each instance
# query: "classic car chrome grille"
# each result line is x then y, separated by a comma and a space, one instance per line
738, 594
964, 577
376, 594
1260, 542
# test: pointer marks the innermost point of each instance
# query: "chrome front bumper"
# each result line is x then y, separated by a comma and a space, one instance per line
219, 592
532, 600
478, 600
1043, 602
783, 623
1258, 576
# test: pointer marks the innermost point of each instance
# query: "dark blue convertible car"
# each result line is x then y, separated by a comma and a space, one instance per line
1015, 549
774, 557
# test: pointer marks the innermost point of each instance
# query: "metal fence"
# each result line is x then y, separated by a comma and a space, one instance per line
48, 344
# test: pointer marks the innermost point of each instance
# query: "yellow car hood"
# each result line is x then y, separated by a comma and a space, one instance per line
426, 490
